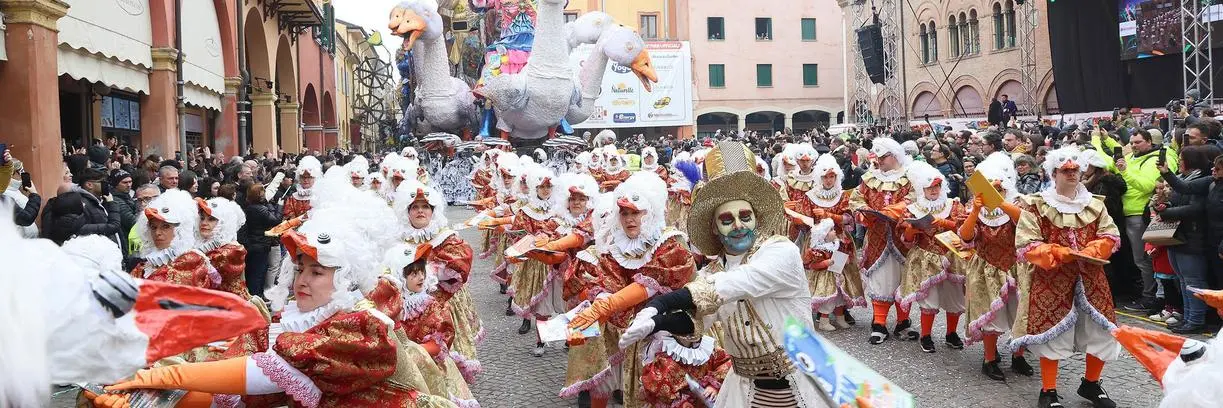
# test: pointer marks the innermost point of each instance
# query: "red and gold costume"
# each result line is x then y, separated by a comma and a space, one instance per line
190, 269
929, 265
295, 207
230, 261
666, 373
609, 181
531, 275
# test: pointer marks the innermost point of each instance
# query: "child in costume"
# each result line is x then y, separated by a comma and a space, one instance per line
832, 293
676, 365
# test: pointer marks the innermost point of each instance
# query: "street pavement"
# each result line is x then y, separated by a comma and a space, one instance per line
513, 378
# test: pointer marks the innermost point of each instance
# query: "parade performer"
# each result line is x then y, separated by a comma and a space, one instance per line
833, 293
783, 165
883, 259
358, 170
482, 178
427, 320
501, 208
220, 220
762, 285
534, 218
596, 162
581, 163
373, 185
616, 170
649, 162
331, 345
798, 183
422, 214
933, 279
686, 176
638, 258
674, 363
298, 204
991, 294
167, 231
1067, 305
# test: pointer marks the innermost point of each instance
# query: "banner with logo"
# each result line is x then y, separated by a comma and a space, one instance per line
625, 103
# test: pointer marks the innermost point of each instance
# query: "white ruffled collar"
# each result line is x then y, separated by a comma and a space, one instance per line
303, 194
293, 320
634, 253
687, 355
803, 178
649, 167
1067, 205
422, 235
830, 246
568, 221
209, 246
826, 198
993, 218
415, 303
888, 176
537, 208
939, 208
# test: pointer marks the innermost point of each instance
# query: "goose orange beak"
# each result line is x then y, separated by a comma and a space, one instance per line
643, 67
1154, 350
178, 318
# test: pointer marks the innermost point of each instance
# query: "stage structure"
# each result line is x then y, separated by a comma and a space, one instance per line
1197, 56
1030, 19
885, 14
860, 101
894, 110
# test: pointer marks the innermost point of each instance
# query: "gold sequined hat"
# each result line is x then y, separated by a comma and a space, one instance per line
730, 175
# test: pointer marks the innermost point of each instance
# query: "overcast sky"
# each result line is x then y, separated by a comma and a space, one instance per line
371, 14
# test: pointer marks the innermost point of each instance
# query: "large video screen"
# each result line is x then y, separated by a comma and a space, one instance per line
1151, 28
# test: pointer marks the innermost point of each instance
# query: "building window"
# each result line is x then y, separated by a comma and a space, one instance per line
649, 26
953, 36
717, 28
933, 42
764, 75
999, 28
974, 29
808, 29
717, 76
1010, 23
924, 37
571, 17
965, 36
764, 28
811, 74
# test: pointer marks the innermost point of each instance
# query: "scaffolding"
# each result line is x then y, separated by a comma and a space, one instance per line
1197, 56
889, 18
1030, 19
861, 96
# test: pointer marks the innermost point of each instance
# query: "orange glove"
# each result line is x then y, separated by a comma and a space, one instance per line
944, 224
190, 400
1099, 248
285, 226
1213, 298
1048, 256
432, 348
540, 241
501, 229
1012, 211
896, 211
632, 295
565, 243
609, 185
485, 203
216, 377
791, 205
822, 265
819, 214
490, 223
548, 258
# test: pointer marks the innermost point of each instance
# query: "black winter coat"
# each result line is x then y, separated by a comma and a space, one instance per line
128, 209
1190, 210
1210, 191
260, 218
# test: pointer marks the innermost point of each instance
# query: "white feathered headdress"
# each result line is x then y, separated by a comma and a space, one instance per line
230, 218
358, 168
309, 165
175, 207
330, 236
400, 256
923, 175
883, 146
1000, 168
1066, 157
573, 183
411, 191
828, 164
643, 191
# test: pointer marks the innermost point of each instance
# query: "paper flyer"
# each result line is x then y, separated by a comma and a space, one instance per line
556, 329
847, 381
839, 259
949, 239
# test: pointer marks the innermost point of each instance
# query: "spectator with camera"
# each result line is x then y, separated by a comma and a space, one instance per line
1140, 171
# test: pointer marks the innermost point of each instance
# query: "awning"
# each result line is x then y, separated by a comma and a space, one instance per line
203, 64
78, 64
116, 36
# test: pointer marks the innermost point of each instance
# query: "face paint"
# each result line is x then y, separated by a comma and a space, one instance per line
736, 226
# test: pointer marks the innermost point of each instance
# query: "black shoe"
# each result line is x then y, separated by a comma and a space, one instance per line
1049, 399
953, 341
1189, 328
1094, 393
509, 307
992, 370
1020, 366
618, 397
904, 331
1142, 305
878, 334
584, 399
526, 326
927, 344
504, 287
850, 318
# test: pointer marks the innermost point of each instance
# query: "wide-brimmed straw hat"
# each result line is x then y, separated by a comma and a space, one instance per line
730, 175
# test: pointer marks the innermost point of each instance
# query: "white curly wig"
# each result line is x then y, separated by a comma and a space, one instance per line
567, 184
176, 207
338, 243
923, 175
409, 192
825, 164
1000, 168
230, 219
1064, 156
647, 192
882, 146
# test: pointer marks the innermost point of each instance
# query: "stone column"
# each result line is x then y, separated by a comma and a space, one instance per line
263, 122
742, 122
227, 128
290, 127
29, 83
788, 121
159, 112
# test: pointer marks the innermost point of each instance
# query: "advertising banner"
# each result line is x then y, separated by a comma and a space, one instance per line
625, 103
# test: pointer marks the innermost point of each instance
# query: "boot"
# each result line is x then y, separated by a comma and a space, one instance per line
953, 341
539, 350
526, 326
509, 307
904, 331
584, 399
992, 370
825, 325
927, 344
1049, 399
850, 318
1020, 366
504, 287
840, 322
1092, 391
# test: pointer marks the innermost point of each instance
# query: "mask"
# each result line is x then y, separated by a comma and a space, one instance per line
736, 226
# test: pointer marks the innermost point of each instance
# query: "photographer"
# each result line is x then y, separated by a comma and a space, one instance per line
86, 209
14, 182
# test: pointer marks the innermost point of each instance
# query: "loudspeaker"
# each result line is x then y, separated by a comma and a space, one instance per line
870, 43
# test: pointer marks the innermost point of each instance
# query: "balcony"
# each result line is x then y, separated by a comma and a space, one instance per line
295, 16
